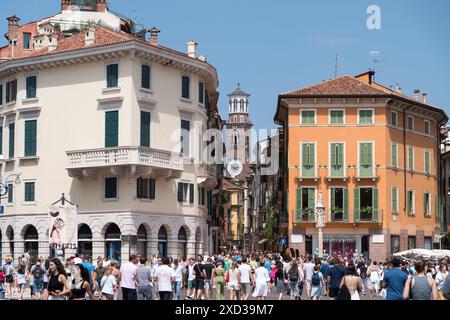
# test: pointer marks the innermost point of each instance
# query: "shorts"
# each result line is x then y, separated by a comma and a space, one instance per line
308, 284
208, 284
233, 286
333, 292
316, 291
190, 284
246, 287
9, 279
22, 285
199, 284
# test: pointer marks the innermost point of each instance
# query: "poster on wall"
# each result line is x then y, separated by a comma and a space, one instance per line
62, 227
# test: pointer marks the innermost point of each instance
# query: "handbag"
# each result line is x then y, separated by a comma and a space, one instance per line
227, 278
343, 294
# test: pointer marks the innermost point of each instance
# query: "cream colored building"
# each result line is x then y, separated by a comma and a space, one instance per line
92, 114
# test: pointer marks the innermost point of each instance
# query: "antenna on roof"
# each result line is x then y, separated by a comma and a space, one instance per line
336, 67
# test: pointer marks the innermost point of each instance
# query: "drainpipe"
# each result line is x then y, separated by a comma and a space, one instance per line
404, 158
439, 166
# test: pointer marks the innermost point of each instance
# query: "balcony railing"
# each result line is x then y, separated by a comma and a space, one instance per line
306, 215
368, 215
337, 216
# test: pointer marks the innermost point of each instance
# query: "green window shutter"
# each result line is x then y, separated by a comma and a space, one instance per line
308, 117
8, 92
139, 193
1, 140
180, 192
31, 83
10, 193
340, 157
394, 155
312, 156
334, 151
356, 205
425, 207
299, 205
427, 162
11, 140
29, 191
308, 160
112, 75
426, 127
332, 205
185, 134
191, 193
152, 189
14, 90
1, 94
201, 92
30, 138
311, 203
305, 156
111, 129
410, 202
436, 208
145, 129
376, 214
110, 188
394, 201
366, 159
185, 86
345, 202
145, 80
410, 158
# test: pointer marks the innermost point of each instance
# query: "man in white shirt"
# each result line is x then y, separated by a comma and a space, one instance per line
246, 279
165, 276
191, 279
128, 280
308, 271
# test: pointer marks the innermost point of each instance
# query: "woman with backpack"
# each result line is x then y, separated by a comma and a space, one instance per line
280, 280
317, 283
22, 275
293, 276
8, 270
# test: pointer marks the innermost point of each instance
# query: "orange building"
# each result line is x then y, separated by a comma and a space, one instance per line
373, 154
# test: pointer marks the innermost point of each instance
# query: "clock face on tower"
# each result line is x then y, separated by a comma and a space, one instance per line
235, 168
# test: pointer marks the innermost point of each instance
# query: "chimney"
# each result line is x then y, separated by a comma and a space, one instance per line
89, 37
154, 35
53, 42
424, 98
13, 28
202, 58
102, 6
416, 94
192, 49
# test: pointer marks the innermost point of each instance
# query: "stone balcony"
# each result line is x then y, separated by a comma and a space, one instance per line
132, 161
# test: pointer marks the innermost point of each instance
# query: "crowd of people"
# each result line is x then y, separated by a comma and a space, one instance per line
234, 275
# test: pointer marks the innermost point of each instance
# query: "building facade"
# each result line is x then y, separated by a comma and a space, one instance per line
115, 122
373, 154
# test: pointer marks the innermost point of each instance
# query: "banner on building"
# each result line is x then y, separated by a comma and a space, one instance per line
63, 227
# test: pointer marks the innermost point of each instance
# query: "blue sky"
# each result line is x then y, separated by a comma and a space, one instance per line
275, 46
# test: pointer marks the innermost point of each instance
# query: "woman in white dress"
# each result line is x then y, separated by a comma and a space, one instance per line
262, 280
352, 282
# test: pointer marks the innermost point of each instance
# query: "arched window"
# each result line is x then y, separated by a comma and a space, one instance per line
162, 242
113, 242
246, 106
31, 243
235, 105
182, 243
84, 240
142, 241
242, 105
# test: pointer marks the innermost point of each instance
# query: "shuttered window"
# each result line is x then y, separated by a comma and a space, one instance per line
186, 190
185, 87
394, 119
394, 201
365, 116
10, 193
185, 137
145, 74
111, 188
11, 91
201, 92
146, 188
411, 158
112, 75
305, 210
427, 204
427, 161
337, 159
336, 116
31, 86
308, 117
308, 160
11, 140
366, 159
29, 191
30, 138
410, 123
111, 129
426, 127
410, 202
394, 155
145, 128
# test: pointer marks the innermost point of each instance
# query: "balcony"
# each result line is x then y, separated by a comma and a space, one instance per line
337, 216
368, 215
305, 216
135, 161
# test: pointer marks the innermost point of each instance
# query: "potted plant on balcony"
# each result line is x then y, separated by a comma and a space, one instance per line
366, 212
337, 213
308, 214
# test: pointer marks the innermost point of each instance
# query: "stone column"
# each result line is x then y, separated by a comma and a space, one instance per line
44, 249
172, 246
190, 248
19, 249
152, 248
98, 246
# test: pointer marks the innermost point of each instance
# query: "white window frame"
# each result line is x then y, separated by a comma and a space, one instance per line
413, 159
329, 157
373, 116
396, 118
407, 120
106, 75
104, 199
373, 157
315, 157
429, 127
329, 117
191, 130
429, 160
394, 212
315, 117
396, 148
145, 63
190, 88
25, 119
429, 205
29, 203
413, 203
26, 76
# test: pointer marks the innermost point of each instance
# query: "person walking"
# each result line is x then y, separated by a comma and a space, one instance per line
190, 279
38, 272
246, 279
98, 273
394, 281
108, 284
440, 278
199, 282
208, 268
8, 270
234, 285
352, 282
178, 284
308, 271
317, 283
219, 280
293, 277
280, 280
164, 277
128, 279
58, 287
22, 275
262, 280
81, 285
335, 275
420, 286
143, 281
325, 269
118, 276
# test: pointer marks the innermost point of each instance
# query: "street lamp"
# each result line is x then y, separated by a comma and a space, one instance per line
320, 221
4, 186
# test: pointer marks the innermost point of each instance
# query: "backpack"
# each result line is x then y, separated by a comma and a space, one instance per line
293, 276
315, 279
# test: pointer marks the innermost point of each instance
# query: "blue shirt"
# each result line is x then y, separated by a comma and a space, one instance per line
267, 266
395, 281
324, 269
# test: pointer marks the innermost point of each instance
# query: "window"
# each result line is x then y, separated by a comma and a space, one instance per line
11, 140
308, 117
394, 155
394, 118
31, 87
411, 242
30, 138
185, 87
201, 196
1, 94
308, 160
337, 159
394, 201
26, 40
145, 129
410, 205
336, 116
201, 92
305, 204
427, 161
339, 205
365, 116
10, 193
145, 78
11, 91
427, 204
112, 75
1, 141
428, 243
366, 159
366, 205
395, 244
410, 123
111, 188
146, 188
29, 191
185, 192
111, 129
426, 127
411, 158
185, 135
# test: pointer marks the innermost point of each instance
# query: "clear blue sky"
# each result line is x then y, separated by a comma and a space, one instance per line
275, 46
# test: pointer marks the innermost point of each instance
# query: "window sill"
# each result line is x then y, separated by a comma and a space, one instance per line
9, 160
186, 100
10, 104
10, 205
146, 90
30, 100
201, 105
115, 89
144, 200
24, 158
110, 200
29, 204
